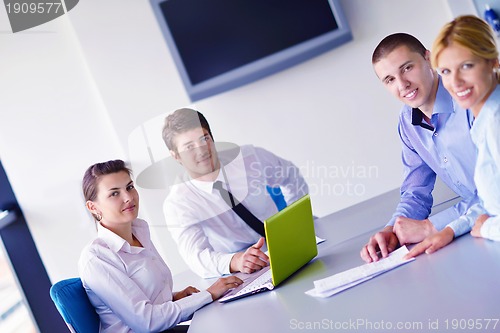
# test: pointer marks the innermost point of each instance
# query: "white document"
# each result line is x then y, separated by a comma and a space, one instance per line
319, 240
313, 292
347, 279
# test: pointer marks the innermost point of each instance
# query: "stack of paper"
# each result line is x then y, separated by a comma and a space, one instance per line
338, 282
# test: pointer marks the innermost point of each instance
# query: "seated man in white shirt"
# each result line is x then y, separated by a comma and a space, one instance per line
212, 238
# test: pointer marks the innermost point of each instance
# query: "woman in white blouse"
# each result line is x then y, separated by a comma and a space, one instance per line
466, 55
126, 279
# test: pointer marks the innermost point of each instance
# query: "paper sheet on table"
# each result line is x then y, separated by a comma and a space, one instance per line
338, 282
319, 240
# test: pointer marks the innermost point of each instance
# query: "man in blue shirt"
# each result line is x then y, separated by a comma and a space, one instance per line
434, 131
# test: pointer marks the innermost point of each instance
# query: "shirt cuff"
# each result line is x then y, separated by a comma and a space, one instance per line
188, 305
465, 222
460, 227
439, 220
442, 219
491, 228
224, 263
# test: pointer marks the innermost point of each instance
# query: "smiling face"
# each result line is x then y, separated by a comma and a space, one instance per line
195, 151
409, 77
469, 79
117, 200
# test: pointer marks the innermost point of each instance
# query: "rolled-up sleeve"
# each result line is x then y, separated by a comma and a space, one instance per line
416, 189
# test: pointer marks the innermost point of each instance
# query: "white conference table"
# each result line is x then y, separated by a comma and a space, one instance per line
455, 289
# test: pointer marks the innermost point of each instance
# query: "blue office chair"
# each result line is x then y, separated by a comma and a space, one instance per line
277, 196
74, 306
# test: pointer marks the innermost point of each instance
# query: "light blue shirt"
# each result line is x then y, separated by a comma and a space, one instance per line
486, 135
444, 149
131, 287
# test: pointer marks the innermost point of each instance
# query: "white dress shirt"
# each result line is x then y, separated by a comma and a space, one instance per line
206, 230
131, 287
486, 135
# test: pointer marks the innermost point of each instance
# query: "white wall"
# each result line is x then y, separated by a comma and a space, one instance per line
52, 127
77, 90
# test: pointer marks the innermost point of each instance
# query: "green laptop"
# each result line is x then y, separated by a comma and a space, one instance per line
291, 243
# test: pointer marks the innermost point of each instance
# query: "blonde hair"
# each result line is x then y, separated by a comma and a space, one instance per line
468, 31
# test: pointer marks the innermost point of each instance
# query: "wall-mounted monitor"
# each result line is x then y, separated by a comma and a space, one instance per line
218, 45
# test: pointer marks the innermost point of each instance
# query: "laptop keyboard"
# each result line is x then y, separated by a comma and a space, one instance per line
252, 284
263, 281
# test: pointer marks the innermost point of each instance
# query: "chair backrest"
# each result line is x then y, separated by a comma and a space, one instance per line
277, 196
74, 306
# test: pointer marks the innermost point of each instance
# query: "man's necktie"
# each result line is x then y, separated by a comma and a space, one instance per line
240, 210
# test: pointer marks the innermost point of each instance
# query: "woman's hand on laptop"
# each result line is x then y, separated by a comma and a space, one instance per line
222, 285
253, 259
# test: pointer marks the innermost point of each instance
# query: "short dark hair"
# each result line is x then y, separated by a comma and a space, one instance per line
391, 42
180, 121
95, 172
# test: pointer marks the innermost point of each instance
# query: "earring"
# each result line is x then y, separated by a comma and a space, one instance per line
98, 217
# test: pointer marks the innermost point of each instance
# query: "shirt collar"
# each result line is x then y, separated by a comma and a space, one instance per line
115, 242
442, 104
491, 105
207, 186
417, 119
444, 101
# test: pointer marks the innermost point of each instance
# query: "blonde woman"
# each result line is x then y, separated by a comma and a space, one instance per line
465, 54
